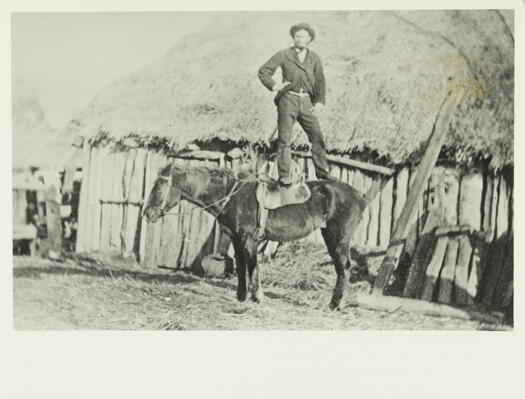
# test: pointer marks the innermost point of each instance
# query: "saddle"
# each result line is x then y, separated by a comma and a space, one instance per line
271, 196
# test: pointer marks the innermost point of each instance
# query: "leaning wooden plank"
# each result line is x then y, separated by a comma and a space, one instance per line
433, 269
394, 304
425, 169
470, 199
461, 296
385, 212
487, 202
81, 229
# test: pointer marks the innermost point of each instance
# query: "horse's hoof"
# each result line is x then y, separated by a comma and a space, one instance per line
334, 306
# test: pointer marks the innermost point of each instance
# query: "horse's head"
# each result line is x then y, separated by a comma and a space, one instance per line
165, 194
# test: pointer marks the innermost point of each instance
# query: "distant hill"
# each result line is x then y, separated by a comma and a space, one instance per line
35, 142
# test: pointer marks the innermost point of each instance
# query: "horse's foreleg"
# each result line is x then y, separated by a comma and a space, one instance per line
254, 271
241, 270
338, 250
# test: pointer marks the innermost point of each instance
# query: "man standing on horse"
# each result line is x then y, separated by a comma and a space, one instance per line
300, 96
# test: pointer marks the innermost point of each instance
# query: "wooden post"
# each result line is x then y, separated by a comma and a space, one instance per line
53, 220
425, 168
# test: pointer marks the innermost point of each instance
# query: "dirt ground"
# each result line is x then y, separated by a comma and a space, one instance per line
99, 292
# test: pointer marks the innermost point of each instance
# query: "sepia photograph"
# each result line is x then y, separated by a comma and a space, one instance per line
263, 170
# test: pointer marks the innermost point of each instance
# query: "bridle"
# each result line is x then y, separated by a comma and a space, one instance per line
237, 186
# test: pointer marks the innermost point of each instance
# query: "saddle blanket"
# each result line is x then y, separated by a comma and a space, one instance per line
271, 196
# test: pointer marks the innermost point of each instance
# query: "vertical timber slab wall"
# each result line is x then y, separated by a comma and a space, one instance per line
116, 182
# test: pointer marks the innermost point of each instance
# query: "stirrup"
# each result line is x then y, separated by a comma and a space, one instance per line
259, 234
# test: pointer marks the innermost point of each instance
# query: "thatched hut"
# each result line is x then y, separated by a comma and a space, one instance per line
387, 75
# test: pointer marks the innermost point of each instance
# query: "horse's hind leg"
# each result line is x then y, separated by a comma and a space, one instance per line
337, 246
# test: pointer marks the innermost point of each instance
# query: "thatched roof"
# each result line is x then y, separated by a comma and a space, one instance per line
387, 74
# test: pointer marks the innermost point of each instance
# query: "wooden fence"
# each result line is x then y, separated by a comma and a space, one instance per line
116, 183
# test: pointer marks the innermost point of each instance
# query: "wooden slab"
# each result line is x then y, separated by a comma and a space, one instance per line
310, 168
373, 224
82, 204
344, 174
470, 199
461, 296
144, 223
502, 216
90, 199
487, 202
386, 202
105, 230
505, 277
433, 269
131, 229
446, 281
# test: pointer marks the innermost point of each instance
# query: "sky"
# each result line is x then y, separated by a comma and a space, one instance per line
64, 59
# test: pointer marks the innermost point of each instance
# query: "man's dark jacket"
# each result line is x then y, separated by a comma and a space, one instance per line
307, 75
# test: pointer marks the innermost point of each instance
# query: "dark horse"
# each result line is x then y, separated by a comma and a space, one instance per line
334, 207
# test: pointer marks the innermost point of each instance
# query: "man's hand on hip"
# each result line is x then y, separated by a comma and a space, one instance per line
280, 86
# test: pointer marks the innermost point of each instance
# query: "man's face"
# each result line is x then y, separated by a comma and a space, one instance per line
301, 38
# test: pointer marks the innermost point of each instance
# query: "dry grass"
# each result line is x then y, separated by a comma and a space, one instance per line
110, 293
387, 74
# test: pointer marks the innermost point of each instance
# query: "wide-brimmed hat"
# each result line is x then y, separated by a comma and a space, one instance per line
304, 26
